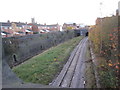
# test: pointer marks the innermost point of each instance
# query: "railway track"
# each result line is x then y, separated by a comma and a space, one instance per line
72, 74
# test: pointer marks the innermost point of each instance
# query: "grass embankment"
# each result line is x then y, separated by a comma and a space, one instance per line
89, 72
44, 67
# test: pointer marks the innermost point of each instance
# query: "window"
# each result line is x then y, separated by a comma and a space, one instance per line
10, 27
5, 27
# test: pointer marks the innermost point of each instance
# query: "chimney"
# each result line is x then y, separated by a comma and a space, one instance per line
44, 23
33, 20
8, 21
117, 12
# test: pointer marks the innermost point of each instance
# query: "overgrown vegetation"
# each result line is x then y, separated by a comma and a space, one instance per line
107, 75
104, 36
89, 72
44, 67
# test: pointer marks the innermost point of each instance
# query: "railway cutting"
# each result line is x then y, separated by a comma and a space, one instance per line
72, 74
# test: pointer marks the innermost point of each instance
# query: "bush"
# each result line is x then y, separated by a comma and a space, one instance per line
104, 36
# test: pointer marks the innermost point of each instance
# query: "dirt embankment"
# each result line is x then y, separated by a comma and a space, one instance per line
90, 79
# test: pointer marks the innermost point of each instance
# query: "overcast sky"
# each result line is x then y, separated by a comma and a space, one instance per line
56, 11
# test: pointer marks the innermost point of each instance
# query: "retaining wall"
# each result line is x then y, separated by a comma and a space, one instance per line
18, 49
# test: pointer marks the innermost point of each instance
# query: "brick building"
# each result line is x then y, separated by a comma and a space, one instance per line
19, 29
14, 29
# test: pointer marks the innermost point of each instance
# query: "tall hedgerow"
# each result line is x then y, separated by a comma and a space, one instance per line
104, 36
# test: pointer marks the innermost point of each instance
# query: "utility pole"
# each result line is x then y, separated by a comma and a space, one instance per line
101, 9
101, 26
0, 28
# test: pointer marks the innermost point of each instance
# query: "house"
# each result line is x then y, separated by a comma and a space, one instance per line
54, 27
5, 34
33, 27
20, 29
69, 26
6, 29
45, 28
28, 31
15, 29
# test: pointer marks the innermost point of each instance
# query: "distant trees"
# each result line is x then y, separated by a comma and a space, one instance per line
35, 28
14, 27
74, 24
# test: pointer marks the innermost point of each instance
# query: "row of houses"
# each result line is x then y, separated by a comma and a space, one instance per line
73, 26
9, 29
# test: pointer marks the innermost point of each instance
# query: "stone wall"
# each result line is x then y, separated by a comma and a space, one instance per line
18, 49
